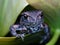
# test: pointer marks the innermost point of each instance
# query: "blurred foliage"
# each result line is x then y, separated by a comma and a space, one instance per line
9, 11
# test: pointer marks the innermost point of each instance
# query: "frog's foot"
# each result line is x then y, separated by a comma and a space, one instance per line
20, 36
13, 29
18, 31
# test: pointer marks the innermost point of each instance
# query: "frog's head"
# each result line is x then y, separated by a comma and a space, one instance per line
31, 17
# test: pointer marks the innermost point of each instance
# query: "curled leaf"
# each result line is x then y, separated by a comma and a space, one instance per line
9, 11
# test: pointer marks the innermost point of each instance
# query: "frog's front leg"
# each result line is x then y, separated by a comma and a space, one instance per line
13, 30
18, 31
46, 36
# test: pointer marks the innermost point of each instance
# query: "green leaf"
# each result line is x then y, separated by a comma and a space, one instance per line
9, 11
16, 41
51, 10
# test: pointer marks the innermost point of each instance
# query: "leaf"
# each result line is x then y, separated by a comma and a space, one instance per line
9, 11
18, 41
51, 10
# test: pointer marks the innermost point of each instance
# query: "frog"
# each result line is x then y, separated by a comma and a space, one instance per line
31, 21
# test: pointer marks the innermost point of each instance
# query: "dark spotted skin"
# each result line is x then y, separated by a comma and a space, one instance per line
30, 22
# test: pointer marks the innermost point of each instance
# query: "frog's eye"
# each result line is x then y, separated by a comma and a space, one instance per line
41, 14
39, 17
25, 16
